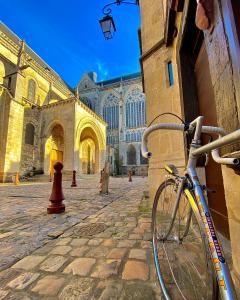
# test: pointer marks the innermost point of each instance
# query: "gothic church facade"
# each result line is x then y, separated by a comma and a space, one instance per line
121, 103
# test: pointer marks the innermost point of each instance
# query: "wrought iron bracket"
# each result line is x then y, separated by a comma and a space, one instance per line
107, 10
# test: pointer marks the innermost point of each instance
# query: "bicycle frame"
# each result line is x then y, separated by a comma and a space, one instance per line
222, 271
200, 206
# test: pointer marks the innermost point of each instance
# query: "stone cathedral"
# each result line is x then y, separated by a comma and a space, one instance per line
43, 120
121, 103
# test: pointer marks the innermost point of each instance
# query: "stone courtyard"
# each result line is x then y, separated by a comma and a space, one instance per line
98, 249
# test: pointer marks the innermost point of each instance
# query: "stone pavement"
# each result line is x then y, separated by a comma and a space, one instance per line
98, 249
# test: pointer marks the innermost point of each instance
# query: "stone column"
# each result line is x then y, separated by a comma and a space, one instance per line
14, 129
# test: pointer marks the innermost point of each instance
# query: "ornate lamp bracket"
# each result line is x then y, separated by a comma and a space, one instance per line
107, 10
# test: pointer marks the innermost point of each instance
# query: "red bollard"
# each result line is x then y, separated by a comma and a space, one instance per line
56, 206
130, 176
74, 183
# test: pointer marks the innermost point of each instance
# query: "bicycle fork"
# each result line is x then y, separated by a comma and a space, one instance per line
182, 181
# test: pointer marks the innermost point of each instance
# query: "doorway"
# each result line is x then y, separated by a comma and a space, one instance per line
198, 99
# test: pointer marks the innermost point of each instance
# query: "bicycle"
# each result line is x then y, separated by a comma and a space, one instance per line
188, 257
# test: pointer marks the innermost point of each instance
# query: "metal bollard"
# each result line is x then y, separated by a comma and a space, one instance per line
56, 206
74, 183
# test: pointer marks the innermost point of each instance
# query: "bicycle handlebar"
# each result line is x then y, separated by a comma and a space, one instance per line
224, 140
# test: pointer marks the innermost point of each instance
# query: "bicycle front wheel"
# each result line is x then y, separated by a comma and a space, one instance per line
181, 253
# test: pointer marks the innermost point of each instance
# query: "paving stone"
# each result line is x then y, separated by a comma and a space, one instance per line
29, 262
112, 291
135, 270
6, 234
78, 289
109, 243
24, 280
138, 254
7, 275
3, 294
106, 269
80, 266
117, 253
55, 234
63, 242
53, 263
104, 235
49, 285
139, 291
79, 242
61, 250
80, 251
97, 252
126, 244
147, 236
95, 242
135, 236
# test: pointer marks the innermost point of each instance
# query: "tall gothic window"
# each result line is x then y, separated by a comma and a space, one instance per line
31, 90
131, 155
29, 134
135, 115
111, 111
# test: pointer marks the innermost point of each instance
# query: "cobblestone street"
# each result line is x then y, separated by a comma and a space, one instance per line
98, 249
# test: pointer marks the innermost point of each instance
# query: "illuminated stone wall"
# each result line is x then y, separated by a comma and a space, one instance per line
34, 100
223, 51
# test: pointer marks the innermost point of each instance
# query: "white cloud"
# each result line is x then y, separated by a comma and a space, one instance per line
101, 70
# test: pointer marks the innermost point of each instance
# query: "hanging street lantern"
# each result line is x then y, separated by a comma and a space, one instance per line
108, 27
107, 23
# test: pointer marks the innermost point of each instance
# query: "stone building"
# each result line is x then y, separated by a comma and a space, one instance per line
121, 103
41, 119
193, 70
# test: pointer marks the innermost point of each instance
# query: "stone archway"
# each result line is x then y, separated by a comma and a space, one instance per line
89, 152
54, 148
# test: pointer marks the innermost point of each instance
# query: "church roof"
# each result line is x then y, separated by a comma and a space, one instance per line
121, 78
11, 35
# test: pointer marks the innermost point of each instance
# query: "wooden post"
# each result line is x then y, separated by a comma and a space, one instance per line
105, 179
130, 175
17, 179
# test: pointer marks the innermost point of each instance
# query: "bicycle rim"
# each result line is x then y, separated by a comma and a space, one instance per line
182, 260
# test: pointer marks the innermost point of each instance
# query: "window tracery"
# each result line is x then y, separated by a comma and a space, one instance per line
135, 109
111, 111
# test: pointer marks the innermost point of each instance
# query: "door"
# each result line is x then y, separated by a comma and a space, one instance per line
55, 156
207, 108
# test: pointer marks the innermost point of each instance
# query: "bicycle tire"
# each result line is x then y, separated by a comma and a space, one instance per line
183, 263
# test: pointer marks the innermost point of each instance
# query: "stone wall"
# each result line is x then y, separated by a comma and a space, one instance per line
222, 47
166, 146
30, 157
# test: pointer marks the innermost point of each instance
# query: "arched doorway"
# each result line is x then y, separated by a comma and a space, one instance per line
89, 152
54, 148
131, 155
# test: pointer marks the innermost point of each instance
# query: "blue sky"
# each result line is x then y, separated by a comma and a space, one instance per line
68, 37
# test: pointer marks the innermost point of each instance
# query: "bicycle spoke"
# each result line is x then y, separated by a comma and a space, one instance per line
180, 246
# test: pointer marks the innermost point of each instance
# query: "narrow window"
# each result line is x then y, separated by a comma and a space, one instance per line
31, 90
170, 73
29, 134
